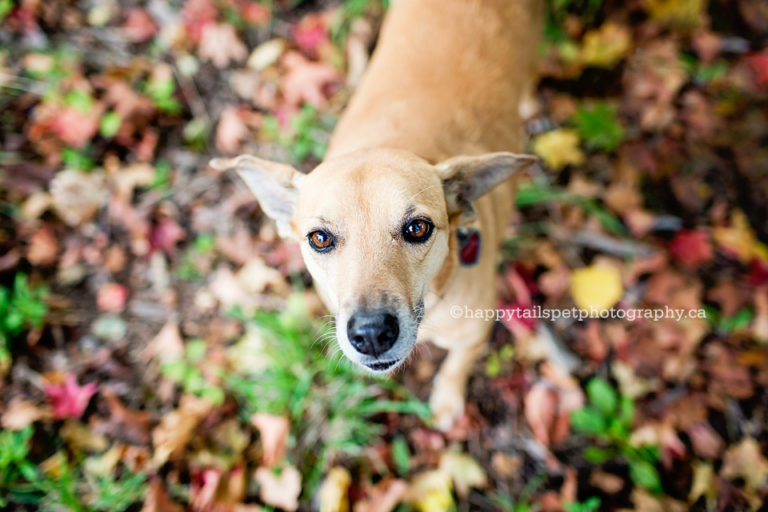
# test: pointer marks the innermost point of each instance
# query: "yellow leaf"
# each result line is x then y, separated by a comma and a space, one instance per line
605, 46
597, 287
463, 470
431, 492
559, 148
333, 493
679, 13
739, 239
702, 485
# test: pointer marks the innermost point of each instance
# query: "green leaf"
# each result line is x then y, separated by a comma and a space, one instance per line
110, 124
598, 455
602, 395
599, 126
588, 420
79, 100
644, 474
401, 456
195, 350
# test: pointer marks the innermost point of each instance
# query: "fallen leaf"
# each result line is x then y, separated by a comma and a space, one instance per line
678, 13
559, 148
77, 196
219, 44
692, 248
605, 46
177, 427
204, 486
745, 460
280, 490
68, 399
384, 497
19, 413
111, 297
703, 484
430, 491
306, 81
158, 500
167, 344
266, 54
139, 26
274, 431
332, 496
464, 471
596, 287
231, 131
43, 247
81, 438
165, 235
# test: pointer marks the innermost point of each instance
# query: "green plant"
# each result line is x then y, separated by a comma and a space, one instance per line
589, 505
349, 12
77, 159
15, 470
536, 193
608, 418
307, 134
599, 126
186, 372
162, 94
301, 382
197, 258
22, 307
63, 487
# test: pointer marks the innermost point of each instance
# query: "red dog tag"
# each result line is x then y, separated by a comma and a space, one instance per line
469, 246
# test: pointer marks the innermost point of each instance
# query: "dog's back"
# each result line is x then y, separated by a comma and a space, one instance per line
447, 78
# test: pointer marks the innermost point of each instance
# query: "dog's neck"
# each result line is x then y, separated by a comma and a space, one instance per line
446, 79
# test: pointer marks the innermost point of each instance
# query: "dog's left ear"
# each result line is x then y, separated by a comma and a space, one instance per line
466, 178
275, 185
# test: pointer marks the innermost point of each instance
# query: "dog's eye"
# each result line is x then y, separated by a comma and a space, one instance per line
320, 240
417, 231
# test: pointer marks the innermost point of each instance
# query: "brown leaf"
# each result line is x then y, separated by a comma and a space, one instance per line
219, 44
21, 413
43, 247
306, 81
158, 500
177, 428
280, 490
231, 131
274, 431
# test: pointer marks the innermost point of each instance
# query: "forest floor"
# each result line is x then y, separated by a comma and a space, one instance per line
162, 350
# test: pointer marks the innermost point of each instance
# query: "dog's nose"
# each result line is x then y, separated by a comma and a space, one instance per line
372, 333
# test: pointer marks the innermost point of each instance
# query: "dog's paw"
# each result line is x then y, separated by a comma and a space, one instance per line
447, 404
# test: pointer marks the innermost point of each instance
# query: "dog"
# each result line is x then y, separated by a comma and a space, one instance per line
401, 221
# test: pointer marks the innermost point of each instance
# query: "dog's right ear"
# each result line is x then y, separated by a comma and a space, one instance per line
275, 185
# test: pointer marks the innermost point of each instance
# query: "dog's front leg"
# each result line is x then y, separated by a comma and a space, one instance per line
449, 387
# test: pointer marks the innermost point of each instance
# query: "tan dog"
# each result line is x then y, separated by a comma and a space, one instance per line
383, 220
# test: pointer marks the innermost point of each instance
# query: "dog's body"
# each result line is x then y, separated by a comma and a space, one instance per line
381, 215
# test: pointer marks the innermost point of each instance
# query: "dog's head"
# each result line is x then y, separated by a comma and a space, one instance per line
374, 230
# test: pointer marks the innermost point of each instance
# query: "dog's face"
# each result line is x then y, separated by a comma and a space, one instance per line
374, 228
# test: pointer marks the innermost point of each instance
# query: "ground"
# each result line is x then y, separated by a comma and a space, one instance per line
162, 350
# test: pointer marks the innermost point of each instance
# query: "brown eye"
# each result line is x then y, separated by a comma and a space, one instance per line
417, 231
321, 241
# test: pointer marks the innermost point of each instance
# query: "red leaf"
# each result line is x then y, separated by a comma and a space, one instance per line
139, 26
310, 33
112, 297
165, 235
69, 399
758, 62
691, 247
197, 14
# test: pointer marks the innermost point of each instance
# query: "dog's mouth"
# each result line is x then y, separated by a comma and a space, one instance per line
380, 366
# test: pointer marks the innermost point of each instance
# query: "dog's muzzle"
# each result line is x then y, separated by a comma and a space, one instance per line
373, 333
